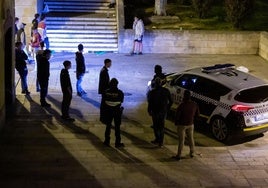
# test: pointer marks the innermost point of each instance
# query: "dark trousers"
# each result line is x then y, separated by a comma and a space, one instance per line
65, 105
43, 89
23, 76
159, 125
112, 113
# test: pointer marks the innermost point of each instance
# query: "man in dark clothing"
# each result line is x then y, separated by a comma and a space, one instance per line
184, 120
104, 80
159, 102
113, 98
80, 69
66, 88
158, 74
43, 76
21, 66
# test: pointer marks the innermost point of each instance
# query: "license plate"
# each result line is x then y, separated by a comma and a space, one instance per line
261, 117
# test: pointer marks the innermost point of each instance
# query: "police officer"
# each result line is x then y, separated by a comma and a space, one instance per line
113, 98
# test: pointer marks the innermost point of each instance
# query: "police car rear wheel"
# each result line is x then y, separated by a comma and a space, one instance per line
219, 129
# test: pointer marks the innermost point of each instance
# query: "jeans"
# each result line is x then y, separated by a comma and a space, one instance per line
46, 41
159, 125
23, 76
78, 83
189, 131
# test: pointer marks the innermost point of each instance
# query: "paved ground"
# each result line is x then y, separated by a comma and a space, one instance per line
38, 149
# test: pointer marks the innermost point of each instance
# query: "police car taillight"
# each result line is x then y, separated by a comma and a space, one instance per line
241, 108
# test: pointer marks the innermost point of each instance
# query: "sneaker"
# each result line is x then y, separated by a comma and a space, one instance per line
176, 157
106, 144
120, 145
160, 145
23, 92
68, 118
140, 53
131, 53
154, 142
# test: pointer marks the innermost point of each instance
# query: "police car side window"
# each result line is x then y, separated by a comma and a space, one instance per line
210, 88
186, 81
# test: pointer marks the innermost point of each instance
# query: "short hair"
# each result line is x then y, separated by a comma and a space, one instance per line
106, 61
80, 47
186, 95
66, 63
17, 44
113, 82
36, 15
157, 69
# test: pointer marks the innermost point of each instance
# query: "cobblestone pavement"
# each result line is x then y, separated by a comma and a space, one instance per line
38, 149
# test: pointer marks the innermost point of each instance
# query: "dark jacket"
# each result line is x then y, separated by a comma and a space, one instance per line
80, 64
20, 58
43, 68
104, 80
113, 97
186, 113
159, 100
65, 81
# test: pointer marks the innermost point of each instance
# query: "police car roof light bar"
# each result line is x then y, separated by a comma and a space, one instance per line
217, 67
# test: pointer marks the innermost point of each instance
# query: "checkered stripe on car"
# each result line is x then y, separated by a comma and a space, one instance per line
211, 101
256, 111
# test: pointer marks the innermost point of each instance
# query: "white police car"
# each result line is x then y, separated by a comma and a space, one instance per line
230, 101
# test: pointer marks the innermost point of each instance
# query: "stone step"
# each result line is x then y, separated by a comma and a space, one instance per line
83, 18
81, 27
87, 48
83, 34
91, 40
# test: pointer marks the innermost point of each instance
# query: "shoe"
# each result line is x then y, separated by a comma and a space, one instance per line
23, 92
131, 53
27, 92
154, 142
68, 118
120, 145
176, 157
45, 104
160, 145
140, 53
192, 155
106, 144
79, 94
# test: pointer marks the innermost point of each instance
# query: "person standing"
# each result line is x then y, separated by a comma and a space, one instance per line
138, 28
21, 36
21, 67
159, 102
42, 29
113, 98
43, 76
35, 45
104, 80
80, 69
38, 56
186, 112
66, 88
35, 22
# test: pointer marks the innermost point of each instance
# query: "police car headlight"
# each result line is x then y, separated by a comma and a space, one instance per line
149, 83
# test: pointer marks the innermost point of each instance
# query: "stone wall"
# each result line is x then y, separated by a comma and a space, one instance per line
193, 42
263, 46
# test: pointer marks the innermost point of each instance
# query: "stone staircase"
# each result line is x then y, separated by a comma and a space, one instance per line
90, 22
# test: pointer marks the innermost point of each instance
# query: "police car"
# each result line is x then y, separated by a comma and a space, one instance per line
230, 101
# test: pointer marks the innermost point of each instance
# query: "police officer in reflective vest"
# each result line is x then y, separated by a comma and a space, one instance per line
113, 98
